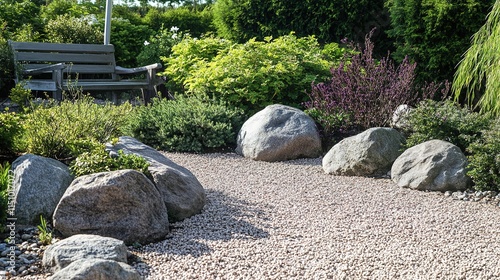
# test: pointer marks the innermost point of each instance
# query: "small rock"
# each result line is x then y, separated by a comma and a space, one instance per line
21, 269
26, 236
448, 193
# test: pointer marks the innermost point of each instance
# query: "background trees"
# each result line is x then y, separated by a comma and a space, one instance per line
435, 33
329, 21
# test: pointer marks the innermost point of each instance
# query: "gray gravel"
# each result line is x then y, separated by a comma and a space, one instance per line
289, 220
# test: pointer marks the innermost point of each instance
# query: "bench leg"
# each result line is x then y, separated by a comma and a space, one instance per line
148, 94
57, 95
114, 97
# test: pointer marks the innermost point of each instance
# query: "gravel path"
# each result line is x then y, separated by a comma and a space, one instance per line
289, 220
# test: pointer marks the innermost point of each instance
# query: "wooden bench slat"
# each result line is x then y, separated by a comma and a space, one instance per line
66, 57
55, 47
78, 68
41, 85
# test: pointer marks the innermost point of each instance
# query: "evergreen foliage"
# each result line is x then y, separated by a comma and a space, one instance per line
435, 33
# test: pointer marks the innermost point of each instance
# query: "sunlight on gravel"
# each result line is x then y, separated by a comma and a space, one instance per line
289, 220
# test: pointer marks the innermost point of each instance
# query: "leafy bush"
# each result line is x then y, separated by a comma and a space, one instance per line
99, 160
435, 33
128, 39
6, 68
363, 93
66, 7
256, 74
10, 131
4, 188
189, 55
484, 161
20, 95
196, 23
68, 29
160, 45
15, 14
65, 130
186, 124
444, 120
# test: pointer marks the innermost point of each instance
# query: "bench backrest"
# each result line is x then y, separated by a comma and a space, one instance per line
81, 59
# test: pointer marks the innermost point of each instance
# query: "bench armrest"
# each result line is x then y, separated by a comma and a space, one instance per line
122, 70
45, 69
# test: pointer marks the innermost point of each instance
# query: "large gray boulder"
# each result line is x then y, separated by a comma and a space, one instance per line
123, 204
180, 190
92, 269
279, 133
370, 153
38, 184
82, 247
434, 165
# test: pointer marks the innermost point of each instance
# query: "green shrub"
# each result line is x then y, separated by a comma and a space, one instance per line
4, 188
6, 68
64, 130
444, 120
128, 39
10, 131
160, 45
187, 56
68, 29
251, 75
196, 23
99, 160
484, 161
186, 124
15, 14
20, 95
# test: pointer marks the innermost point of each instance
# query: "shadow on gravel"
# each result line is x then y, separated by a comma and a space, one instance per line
223, 219
304, 162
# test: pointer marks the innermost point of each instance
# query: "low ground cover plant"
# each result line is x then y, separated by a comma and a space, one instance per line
4, 186
10, 131
99, 160
187, 124
444, 120
484, 159
66, 129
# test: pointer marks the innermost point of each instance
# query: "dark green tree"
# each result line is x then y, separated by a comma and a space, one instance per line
328, 20
435, 33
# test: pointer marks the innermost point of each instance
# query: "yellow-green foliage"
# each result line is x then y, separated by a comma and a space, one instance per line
254, 74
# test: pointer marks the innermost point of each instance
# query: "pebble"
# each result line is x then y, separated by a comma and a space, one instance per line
27, 252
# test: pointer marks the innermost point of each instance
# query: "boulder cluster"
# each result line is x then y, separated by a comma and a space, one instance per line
125, 205
280, 133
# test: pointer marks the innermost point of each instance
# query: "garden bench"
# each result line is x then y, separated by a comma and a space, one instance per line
53, 67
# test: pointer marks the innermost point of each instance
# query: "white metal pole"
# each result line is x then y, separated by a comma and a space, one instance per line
107, 22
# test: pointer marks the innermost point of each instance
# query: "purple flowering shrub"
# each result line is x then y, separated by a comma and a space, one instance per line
364, 92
